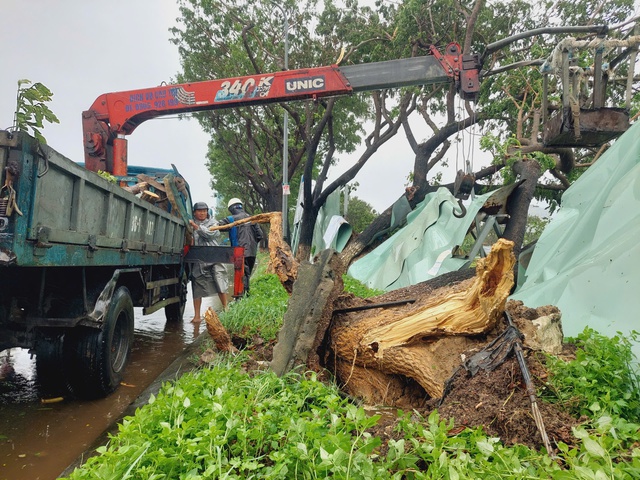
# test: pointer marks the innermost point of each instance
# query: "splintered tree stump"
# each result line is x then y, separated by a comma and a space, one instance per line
281, 258
377, 354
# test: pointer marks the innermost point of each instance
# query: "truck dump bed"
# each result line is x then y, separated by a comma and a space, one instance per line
67, 215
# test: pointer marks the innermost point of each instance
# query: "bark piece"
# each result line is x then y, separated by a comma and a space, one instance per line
217, 331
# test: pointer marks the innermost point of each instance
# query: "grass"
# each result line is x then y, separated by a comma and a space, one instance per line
358, 288
260, 313
223, 422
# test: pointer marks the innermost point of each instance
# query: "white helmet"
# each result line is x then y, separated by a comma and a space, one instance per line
233, 201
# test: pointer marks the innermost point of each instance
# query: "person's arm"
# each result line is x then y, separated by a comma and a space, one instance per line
208, 234
202, 230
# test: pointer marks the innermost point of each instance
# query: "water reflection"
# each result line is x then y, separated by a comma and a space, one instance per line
196, 329
17, 377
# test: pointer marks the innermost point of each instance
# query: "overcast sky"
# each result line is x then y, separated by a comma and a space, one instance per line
81, 49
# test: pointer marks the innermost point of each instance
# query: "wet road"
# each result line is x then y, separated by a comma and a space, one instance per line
39, 440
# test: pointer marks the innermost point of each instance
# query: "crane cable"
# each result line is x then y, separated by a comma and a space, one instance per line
464, 183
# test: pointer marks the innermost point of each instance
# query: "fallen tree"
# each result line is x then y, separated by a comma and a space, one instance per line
376, 354
441, 344
403, 345
398, 349
398, 345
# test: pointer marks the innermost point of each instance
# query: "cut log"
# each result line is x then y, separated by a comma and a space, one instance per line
281, 258
137, 188
150, 197
421, 342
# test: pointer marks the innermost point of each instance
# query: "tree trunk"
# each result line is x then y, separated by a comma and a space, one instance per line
385, 355
307, 226
519, 202
359, 243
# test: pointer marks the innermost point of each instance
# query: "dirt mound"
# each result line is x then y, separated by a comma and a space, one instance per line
498, 401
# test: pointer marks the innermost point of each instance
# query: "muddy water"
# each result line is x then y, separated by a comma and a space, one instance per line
39, 440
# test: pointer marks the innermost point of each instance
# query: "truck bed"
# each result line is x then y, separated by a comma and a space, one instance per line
74, 217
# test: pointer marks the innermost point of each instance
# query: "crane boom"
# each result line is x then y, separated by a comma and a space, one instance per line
114, 115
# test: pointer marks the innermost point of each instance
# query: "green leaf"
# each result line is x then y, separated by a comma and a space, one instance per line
593, 447
31, 109
453, 473
485, 447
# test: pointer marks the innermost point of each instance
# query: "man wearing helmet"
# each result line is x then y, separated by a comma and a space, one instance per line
207, 278
247, 235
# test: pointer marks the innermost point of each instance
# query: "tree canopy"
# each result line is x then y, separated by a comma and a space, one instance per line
218, 40
242, 37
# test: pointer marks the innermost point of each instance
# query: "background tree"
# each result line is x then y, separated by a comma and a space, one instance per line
359, 214
244, 36
241, 37
510, 99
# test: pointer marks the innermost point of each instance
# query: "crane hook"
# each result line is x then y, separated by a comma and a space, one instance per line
463, 210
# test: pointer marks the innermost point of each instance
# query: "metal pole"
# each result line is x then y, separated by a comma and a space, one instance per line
285, 139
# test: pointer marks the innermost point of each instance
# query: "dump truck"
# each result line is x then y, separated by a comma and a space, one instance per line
77, 253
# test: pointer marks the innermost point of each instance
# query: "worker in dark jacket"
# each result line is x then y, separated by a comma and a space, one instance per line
247, 235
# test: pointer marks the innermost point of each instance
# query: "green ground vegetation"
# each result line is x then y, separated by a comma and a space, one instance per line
221, 421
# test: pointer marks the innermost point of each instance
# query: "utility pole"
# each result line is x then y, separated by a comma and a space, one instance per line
285, 139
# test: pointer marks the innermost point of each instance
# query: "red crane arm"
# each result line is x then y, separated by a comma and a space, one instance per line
114, 115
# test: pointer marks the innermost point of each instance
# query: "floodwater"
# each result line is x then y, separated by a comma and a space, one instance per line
38, 441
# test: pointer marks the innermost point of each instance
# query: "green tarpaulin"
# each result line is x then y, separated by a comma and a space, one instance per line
422, 249
587, 261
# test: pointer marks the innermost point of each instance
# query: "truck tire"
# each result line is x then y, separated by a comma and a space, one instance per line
101, 355
175, 311
50, 363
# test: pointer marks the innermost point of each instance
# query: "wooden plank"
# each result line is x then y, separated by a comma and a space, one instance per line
596, 127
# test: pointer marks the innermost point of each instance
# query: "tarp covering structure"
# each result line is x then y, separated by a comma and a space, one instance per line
587, 261
331, 230
423, 248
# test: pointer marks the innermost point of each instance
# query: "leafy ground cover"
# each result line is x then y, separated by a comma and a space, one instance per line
233, 418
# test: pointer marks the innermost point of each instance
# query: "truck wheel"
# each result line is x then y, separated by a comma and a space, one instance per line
50, 364
101, 355
175, 311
